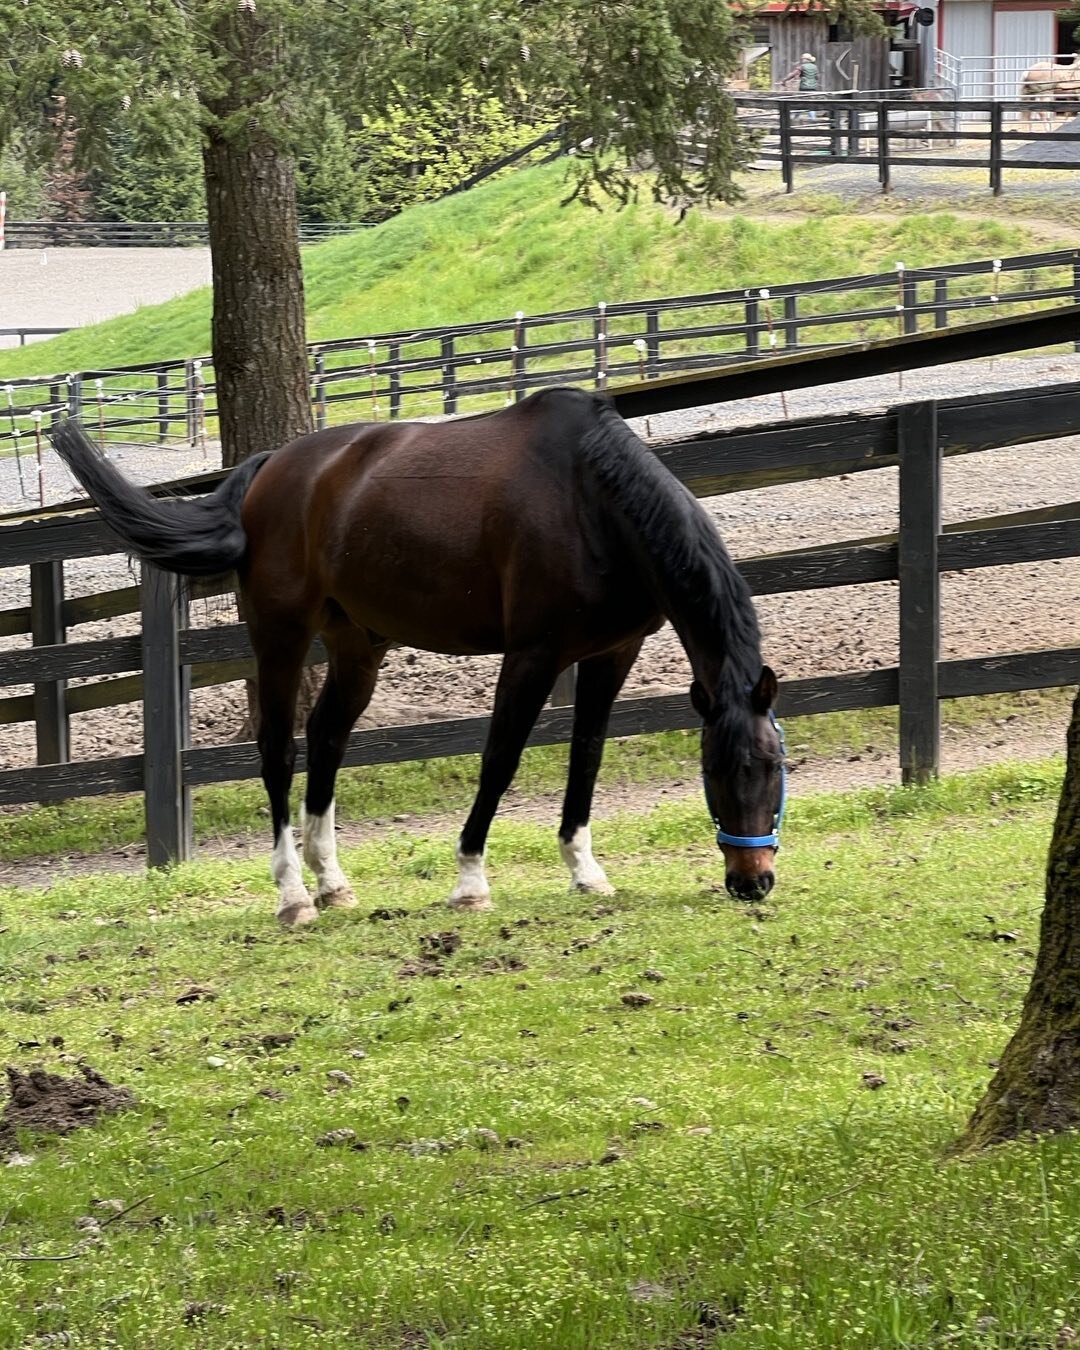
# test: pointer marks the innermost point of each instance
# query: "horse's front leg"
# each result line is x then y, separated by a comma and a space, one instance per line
525, 681
599, 680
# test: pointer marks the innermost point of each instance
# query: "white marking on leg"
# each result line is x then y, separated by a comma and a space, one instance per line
320, 854
472, 890
294, 903
586, 874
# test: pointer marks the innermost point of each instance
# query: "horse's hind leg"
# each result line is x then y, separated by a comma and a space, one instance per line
525, 681
599, 680
280, 649
354, 660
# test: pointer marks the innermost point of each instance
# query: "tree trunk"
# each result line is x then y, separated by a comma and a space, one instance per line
259, 340
1036, 1089
258, 334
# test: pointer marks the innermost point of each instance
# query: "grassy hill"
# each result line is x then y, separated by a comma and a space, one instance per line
510, 245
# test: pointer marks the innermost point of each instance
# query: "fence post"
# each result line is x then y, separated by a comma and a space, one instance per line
47, 629
753, 318
163, 405
320, 390
600, 340
909, 299
74, 385
191, 418
166, 713
941, 299
883, 147
787, 168
836, 144
652, 342
518, 363
449, 375
54, 404
394, 360
995, 147
1076, 290
920, 591
791, 320
854, 145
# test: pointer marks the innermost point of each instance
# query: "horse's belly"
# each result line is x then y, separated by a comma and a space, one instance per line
430, 609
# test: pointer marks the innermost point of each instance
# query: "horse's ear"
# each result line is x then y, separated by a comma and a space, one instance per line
700, 699
763, 694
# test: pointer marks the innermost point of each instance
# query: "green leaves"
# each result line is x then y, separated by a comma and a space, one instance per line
636, 82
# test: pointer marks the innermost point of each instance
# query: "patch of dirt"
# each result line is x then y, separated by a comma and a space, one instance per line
44, 1103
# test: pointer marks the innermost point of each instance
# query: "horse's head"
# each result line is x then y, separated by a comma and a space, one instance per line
742, 763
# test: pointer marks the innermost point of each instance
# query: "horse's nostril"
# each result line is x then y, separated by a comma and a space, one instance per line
749, 888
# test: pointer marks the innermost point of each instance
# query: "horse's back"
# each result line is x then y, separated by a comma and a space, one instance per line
462, 535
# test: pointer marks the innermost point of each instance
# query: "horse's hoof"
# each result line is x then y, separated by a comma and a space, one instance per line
595, 886
470, 904
342, 898
297, 914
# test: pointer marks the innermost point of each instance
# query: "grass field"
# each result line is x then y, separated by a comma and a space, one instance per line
440, 786
754, 1158
511, 245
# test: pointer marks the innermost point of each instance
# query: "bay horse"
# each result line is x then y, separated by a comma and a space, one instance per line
546, 531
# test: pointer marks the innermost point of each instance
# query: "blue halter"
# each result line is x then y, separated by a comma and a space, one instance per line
761, 840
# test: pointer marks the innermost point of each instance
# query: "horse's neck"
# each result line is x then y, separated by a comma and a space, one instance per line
706, 655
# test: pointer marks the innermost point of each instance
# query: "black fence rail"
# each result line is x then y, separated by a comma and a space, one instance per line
469, 367
922, 129
142, 233
170, 656
195, 233
23, 333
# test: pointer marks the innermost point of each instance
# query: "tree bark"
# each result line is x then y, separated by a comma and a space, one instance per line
259, 339
1036, 1089
258, 333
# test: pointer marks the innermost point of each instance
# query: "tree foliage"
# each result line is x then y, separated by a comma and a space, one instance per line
627, 76
149, 175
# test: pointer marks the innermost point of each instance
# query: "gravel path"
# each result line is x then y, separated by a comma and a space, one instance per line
987, 611
70, 287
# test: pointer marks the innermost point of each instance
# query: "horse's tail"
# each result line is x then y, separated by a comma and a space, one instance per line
196, 537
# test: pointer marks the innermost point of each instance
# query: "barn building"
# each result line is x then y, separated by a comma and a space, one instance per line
974, 48
902, 58
984, 46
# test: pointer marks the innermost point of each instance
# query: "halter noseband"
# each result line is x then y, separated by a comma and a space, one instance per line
771, 840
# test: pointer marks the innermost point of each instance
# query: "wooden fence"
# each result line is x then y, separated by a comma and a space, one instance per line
884, 132
169, 657
472, 366
142, 233
194, 233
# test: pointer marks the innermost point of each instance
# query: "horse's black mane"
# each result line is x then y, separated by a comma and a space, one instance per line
696, 583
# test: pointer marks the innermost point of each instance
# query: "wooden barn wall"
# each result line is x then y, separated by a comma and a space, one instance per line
792, 34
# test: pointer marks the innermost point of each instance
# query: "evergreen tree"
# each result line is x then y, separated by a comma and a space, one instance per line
148, 177
630, 77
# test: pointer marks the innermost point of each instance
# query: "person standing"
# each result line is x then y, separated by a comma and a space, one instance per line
809, 82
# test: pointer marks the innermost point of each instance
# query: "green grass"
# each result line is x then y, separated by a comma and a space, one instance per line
510, 245
440, 786
756, 1193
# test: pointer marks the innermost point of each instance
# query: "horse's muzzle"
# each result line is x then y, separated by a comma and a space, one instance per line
741, 886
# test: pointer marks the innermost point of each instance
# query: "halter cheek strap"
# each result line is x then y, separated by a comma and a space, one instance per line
761, 840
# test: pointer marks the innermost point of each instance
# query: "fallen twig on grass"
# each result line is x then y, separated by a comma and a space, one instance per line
552, 1196
88, 1243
